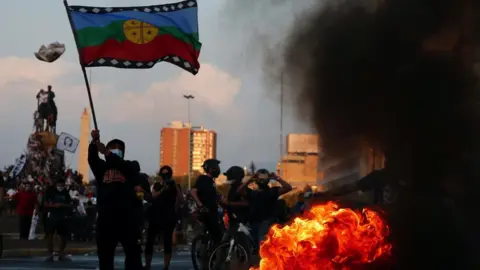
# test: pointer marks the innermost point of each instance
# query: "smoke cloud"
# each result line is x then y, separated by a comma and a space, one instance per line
390, 74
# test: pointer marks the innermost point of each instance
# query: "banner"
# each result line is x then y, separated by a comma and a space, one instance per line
19, 164
32, 235
67, 142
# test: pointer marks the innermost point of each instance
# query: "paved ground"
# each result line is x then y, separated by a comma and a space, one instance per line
180, 261
25, 248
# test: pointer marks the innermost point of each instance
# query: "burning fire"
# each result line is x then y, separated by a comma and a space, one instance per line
326, 237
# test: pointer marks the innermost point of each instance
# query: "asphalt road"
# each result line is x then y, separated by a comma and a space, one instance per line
180, 261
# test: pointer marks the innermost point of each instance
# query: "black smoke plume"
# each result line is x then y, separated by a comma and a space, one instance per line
391, 74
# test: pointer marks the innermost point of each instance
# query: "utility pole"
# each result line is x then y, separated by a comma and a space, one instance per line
281, 124
189, 97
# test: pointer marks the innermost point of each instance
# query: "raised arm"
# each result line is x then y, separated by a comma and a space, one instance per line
286, 187
242, 189
97, 165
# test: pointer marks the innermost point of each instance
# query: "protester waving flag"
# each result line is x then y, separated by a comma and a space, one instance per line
137, 37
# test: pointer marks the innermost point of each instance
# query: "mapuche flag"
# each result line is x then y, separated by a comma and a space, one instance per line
137, 37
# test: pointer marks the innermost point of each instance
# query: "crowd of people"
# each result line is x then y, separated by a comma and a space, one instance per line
120, 187
123, 206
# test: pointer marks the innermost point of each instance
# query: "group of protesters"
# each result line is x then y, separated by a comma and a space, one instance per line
121, 186
122, 201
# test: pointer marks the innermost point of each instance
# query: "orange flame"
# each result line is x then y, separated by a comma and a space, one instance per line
326, 237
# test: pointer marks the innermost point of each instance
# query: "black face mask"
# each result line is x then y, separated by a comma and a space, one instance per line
165, 176
215, 172
263, 184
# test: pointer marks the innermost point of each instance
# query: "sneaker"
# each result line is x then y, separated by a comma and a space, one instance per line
64, 258
49, 259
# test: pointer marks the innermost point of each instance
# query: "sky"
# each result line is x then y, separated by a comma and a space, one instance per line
232, 93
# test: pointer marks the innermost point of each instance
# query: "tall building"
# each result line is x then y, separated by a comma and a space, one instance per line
180, 143
303, 144
204, 146
85, 129
175, 147
299, 170
300, 165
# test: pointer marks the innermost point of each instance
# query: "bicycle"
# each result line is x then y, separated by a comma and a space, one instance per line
241, 243
204, 243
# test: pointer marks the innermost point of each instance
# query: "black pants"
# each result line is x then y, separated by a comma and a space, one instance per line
154, 229
212, 223
110, 232
24, 225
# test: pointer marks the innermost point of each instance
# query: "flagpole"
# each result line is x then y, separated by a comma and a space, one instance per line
84, 71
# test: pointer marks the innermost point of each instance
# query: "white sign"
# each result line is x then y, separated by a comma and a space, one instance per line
67, 142
19, 164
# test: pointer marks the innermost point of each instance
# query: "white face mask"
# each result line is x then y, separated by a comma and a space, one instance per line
117, 152
59, 188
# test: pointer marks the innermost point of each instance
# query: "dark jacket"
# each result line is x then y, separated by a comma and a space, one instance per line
116, 180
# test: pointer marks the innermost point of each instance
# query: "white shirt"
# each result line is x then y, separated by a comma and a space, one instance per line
43, 97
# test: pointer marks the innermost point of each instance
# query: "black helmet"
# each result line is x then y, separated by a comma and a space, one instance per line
235, 173
136, 166
211, 166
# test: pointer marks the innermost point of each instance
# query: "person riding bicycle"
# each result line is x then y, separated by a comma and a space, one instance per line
236, 205
204, 193
262, 202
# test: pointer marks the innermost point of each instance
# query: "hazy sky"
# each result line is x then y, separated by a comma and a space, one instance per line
232, 96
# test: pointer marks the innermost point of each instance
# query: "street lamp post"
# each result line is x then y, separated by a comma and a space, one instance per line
189, 97
281, 125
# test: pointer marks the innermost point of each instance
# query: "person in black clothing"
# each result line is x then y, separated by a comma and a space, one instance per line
117, 184
142, 195
236, 205
204, 193
262, 202
162, 216
59, 208
2, 193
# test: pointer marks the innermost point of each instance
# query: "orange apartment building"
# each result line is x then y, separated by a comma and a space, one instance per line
180, 143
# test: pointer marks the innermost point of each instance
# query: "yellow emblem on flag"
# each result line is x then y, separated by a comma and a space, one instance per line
139, 32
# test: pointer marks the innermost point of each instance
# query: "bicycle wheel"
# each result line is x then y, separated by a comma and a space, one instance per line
222, 259
199, 252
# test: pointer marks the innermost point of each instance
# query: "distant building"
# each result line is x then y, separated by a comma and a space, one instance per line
300, 165
179, 142
85, 129
204, 146
303, 144
299, 170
